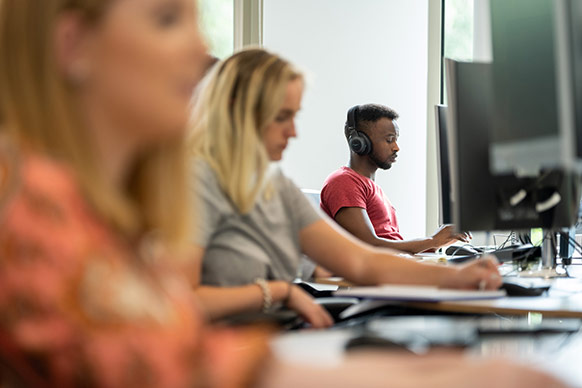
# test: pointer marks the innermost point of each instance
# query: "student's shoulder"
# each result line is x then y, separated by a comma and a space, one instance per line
204, 178
283, 184
344, 178
200, 168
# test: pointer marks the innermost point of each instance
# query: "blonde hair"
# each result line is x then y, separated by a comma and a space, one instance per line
236, 102
38, 111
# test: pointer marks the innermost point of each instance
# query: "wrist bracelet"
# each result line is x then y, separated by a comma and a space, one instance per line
286, 300
267, 297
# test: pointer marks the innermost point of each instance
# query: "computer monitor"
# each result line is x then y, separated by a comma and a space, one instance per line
534, 122
485, 201
575, 21
443, 167
468, 117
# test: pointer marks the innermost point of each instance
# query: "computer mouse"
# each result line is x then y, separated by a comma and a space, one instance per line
454, 250
516, 289
371, 342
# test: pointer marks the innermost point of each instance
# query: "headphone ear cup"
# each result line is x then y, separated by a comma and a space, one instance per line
360, 143
368, 142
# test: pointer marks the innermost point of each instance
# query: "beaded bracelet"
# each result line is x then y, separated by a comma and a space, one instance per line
267, 297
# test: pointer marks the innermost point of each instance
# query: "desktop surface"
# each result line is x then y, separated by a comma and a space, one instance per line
553, 346
542, 331
563, 299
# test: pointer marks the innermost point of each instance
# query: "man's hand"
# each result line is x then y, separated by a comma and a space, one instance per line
446, 235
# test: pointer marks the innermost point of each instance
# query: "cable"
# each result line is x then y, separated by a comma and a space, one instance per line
525, 255
529, 252
573, 243
525, 238
502, 245
506, 240
546, 236
576, 243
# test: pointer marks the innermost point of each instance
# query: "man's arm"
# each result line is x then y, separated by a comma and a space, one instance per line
356, 221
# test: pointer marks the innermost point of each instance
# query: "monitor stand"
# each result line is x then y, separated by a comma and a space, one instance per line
548, 267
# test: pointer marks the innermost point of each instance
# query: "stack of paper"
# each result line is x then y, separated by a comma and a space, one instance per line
417, 293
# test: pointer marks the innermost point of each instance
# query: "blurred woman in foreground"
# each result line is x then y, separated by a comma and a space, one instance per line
94, 98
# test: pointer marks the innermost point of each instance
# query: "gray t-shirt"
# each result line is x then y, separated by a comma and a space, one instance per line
261, 244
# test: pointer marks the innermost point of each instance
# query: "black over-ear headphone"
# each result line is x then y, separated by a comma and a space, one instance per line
358, 141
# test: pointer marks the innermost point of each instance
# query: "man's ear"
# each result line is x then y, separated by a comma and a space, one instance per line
71, 42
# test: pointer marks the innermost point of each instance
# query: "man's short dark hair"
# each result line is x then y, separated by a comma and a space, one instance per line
369, 114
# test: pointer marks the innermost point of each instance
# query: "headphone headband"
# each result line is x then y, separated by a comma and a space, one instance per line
351, 123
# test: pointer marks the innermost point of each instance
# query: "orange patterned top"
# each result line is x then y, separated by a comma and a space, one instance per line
81, 309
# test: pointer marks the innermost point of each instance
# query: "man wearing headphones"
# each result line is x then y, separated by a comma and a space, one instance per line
351, 196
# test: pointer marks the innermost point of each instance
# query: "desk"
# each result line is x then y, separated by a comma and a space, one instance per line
557, 354
554, 353
570, 306
563, 300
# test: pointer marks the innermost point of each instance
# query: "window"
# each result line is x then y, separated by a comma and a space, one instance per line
458, 29
217, 24
458, 32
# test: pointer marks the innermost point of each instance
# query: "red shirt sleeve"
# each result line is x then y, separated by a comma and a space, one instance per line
342, 190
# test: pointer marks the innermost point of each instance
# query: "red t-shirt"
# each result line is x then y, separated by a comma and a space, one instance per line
347, 188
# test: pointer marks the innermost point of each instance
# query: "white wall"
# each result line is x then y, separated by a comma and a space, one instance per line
357, 52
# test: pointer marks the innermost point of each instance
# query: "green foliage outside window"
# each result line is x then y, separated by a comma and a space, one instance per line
459, 17
217, 24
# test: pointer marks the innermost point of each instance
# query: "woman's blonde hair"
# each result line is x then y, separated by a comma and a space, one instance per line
238, 99
38, 111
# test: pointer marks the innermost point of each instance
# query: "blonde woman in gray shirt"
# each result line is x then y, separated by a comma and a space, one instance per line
254, 224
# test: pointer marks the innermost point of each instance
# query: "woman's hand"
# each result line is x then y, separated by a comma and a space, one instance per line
480, 274
301, 302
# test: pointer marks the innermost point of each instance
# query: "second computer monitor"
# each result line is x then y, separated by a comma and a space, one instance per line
443, 166
469, 113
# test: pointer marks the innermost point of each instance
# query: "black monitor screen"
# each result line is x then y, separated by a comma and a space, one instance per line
469, 112
443, 166
576, 41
